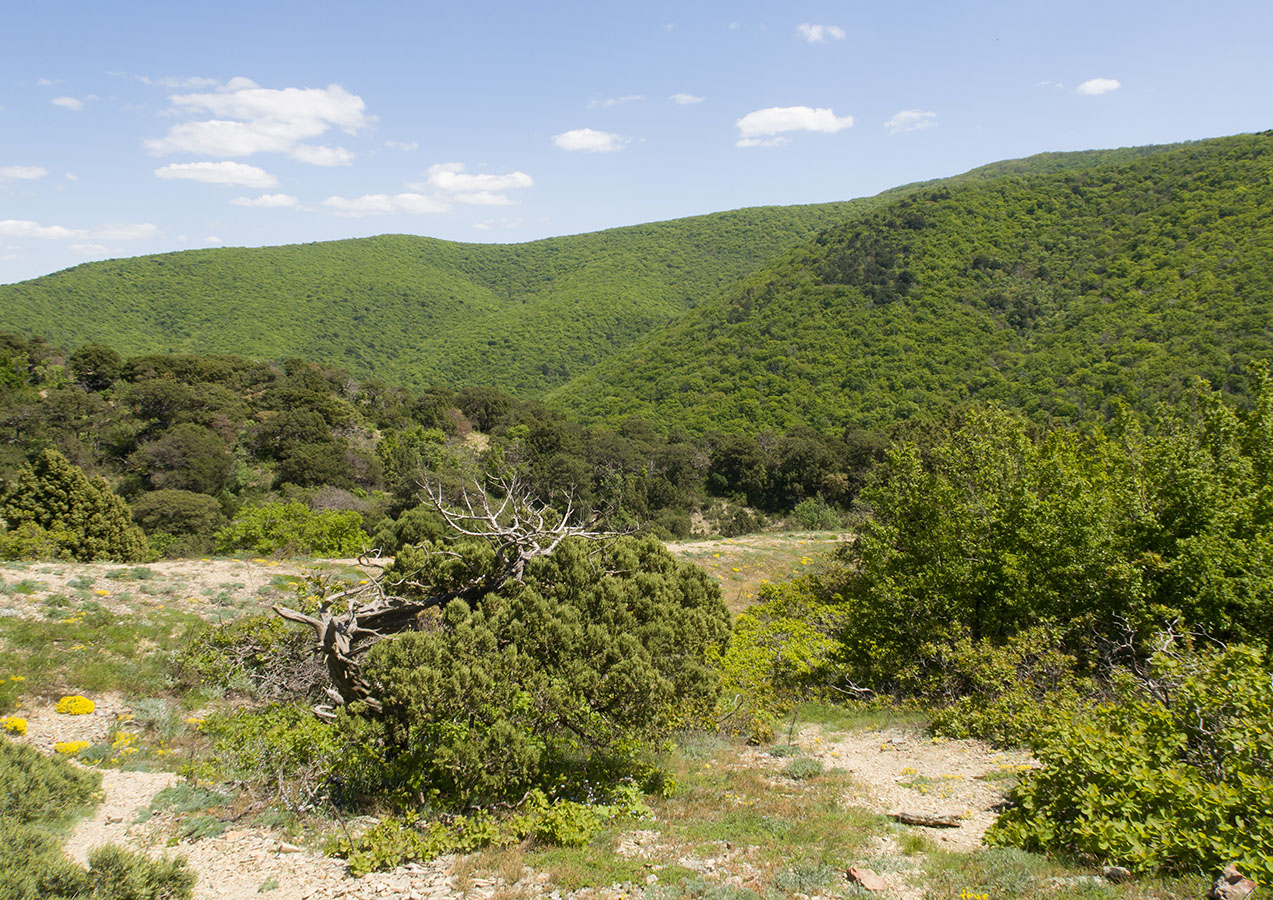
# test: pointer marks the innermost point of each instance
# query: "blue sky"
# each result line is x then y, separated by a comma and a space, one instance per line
130, 128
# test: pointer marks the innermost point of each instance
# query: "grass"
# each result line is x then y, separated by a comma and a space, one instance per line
87, 648
744, 565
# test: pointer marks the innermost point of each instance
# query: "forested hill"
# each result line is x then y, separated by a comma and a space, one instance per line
1050, 287
413, 310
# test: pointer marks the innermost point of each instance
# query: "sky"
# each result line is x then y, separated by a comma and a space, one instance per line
129, 128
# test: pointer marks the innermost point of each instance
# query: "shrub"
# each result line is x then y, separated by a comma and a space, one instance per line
600, 649
292, 528
80, 517
802, 768
258, 652
188, 519
1174, 774
815, 513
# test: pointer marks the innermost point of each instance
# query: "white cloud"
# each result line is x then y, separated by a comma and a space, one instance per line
1094, 86
385, 204
267, 200
819, 34
91, 249
47, 82
491, 224
762, 142
71, 176
734, 26
213, 240
683, 99
452, 177
321, 156
219, 173
911, 120
403, 145
247, 119
614, 101
1051, 84
588, 140
22, 228
67, 102
754, 127
22, 173
124, 232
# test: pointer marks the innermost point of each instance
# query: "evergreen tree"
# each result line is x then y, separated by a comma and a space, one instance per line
86, 519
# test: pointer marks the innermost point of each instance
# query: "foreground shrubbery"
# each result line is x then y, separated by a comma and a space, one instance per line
41, 794
1174, 772
560, 683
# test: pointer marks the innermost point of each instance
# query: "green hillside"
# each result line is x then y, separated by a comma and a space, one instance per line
414, 310
1054, 285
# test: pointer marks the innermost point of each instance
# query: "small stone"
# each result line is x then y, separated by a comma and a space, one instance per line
1116, 874
867, 879
1232, 885
284, 847
651, 879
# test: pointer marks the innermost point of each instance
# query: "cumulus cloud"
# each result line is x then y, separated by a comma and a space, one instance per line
758, 128
385, 204
67, 102
683, 99
247, 119
1094, 86
322, 156
492, 224
588, 141
23, 228
124, 232
267, 200
614, 101
820, 34
22, 173
481, 188
911, 120
219, 173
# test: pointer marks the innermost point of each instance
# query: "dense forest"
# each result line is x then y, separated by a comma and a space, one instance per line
1052, 291
412, 310
192, 442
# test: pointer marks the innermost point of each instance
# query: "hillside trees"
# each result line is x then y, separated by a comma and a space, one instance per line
54, 504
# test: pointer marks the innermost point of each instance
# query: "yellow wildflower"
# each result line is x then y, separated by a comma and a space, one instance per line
75, 705
14, 724
70, 748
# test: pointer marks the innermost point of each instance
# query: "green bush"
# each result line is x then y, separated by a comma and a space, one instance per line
568, 674
292, 528
189, 519
41, 795
54, 504
816, 514
1176, 773
260, 654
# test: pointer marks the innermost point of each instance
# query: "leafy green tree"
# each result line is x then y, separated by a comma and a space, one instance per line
91, 521
186, 457
96, 366
190, 519
293, 528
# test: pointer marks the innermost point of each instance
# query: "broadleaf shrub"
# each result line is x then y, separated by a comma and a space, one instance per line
1175, 773
292, 528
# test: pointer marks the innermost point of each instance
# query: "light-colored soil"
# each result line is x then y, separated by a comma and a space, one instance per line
904, 771
894, 770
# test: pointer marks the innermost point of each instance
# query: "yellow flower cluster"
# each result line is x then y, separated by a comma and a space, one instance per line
194, 722
966, 894
70, 748
14, 724
75, 705
123, 744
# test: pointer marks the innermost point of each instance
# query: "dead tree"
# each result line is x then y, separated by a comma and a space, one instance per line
349, 622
